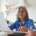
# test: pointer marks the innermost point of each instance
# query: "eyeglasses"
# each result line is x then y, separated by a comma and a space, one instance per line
21, 11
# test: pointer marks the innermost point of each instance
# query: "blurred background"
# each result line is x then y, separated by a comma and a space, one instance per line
10, 9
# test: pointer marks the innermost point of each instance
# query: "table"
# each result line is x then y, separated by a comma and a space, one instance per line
14, 31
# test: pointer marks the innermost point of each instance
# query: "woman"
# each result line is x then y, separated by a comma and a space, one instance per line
23, 23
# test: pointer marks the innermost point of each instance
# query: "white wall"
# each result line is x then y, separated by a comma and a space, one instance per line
12, 16
0, 4
32, 13
3, 3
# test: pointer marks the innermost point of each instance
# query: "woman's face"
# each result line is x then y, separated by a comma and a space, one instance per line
21, 13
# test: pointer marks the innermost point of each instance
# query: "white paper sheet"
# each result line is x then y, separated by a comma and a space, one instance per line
2, 33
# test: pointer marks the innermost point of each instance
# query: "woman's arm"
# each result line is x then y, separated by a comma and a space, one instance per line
12, 26
32, 25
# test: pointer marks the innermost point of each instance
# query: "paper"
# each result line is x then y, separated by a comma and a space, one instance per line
2, 33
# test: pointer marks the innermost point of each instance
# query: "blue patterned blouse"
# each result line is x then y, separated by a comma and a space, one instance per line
28, 24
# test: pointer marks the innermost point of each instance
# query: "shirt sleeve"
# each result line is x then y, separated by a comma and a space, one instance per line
32, 25
12, 26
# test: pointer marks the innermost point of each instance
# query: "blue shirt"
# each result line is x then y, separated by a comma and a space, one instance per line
28, 24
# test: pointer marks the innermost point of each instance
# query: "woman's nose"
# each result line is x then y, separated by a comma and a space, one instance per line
20, 13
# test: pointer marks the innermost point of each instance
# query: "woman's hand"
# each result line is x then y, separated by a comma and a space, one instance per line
22, 29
